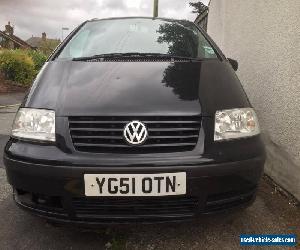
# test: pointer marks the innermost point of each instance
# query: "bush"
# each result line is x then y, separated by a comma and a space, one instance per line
17, 66
38, 58
21, 66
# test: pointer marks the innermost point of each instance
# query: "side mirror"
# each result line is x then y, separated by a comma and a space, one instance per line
234, 63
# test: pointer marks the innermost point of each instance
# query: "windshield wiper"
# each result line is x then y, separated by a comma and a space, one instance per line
172, 57
135, 54
110, 55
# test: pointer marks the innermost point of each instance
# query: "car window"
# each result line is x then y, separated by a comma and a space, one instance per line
76, 48
178, 38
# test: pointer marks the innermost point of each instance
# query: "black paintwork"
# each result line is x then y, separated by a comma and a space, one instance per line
106, 88
234, 64
135, 88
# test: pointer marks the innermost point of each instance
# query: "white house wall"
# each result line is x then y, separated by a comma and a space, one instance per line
264, 36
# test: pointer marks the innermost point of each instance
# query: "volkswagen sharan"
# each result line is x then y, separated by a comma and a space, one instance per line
135, 120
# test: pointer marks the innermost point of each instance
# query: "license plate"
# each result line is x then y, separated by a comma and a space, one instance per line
135, 184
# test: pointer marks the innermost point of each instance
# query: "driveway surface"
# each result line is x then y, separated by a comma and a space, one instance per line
11, 98
271, 213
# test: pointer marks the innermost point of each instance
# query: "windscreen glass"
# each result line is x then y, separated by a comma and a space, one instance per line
138, 35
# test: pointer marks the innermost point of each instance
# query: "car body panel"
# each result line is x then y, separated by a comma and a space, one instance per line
133, 88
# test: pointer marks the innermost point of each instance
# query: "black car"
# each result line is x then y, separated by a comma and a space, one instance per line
135, 120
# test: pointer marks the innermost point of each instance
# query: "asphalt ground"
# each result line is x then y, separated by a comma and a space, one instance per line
271, 213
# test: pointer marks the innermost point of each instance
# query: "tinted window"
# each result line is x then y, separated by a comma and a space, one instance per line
179, 38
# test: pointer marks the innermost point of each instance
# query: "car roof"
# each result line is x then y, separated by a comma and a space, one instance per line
138, 17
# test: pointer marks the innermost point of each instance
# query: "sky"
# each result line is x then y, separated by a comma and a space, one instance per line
32, 17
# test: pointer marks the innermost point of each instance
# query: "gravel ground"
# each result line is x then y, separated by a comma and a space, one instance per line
272, 212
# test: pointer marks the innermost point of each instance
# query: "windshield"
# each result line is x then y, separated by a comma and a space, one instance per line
138, 35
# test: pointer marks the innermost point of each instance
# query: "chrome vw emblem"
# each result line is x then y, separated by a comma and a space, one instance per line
135, 132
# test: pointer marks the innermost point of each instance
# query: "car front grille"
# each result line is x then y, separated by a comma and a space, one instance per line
166, 134
96, 207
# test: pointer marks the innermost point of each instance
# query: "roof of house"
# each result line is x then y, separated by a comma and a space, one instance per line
15, 39
36, 42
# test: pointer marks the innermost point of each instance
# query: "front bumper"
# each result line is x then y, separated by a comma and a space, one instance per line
57, 192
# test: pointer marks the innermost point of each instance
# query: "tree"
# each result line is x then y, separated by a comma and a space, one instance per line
198, 7
181, 40
48, 46
183, 78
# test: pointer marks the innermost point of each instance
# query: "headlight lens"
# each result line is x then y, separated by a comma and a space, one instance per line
36, 124
235, 123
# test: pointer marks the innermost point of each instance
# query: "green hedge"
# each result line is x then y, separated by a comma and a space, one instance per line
38, 58
21, 66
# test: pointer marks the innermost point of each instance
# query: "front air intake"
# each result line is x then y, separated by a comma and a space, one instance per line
104, 134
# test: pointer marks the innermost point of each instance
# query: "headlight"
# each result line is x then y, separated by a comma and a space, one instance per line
235, 123
35, 124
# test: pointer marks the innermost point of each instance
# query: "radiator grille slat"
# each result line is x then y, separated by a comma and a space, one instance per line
104, 134
101, 207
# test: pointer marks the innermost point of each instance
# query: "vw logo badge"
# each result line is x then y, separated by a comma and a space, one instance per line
135, 133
